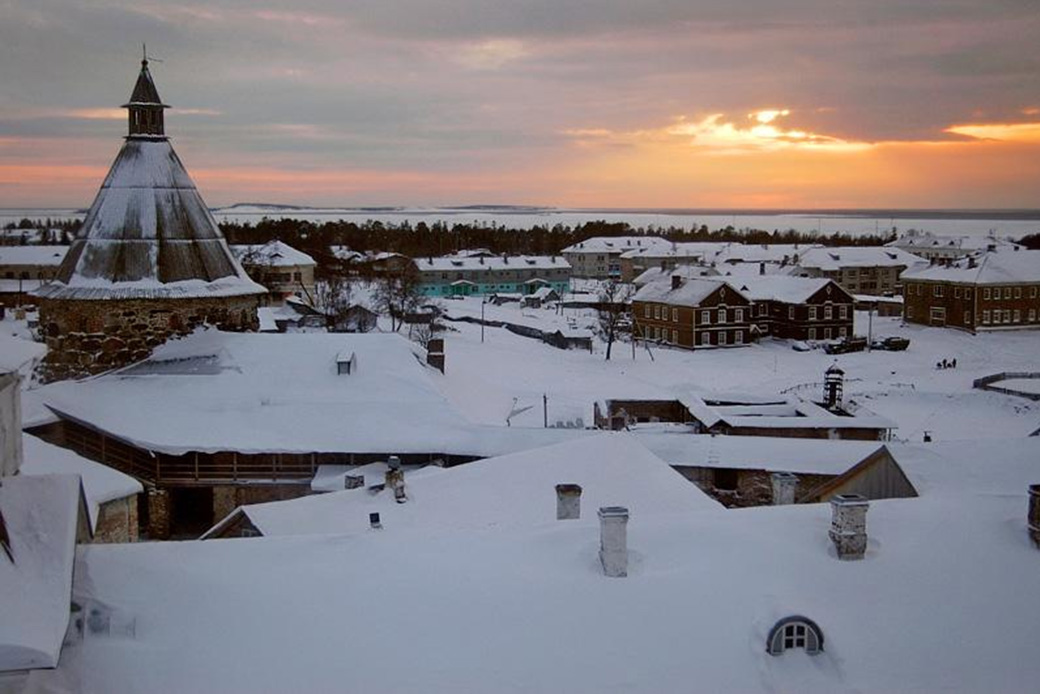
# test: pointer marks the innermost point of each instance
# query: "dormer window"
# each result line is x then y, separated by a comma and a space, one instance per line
795, 632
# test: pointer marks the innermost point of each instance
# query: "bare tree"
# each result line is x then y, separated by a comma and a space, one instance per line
613, 310
332, 296
397, 294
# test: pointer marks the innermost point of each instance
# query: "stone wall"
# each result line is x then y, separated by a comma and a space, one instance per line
226, 498
117, 521
88, 337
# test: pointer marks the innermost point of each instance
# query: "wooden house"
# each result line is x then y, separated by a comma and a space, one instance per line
692, 313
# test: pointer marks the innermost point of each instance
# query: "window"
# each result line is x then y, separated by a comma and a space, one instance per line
828, 312
842, 332
956, 292
1032, 292
705, 339
843, 311
967, 317
1007, 292
1018, 316
794, 632
675, 315
739, 315
985, 317
826, 333
1018, 292
812, 333
937, 290
812, 313
967, 292
738, 337
762, 309
1032, 315
985, 293
722, 337
675, 337
1007, 315
646, 310
722, 315
790, 313
705, 317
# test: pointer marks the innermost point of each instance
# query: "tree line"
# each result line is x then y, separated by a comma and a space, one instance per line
438, 238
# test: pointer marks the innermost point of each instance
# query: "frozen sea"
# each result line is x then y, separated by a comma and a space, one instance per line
1014, 224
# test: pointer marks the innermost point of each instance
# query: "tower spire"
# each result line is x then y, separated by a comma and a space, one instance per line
145, 107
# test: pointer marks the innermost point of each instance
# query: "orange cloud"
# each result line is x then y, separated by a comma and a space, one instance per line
1004, 132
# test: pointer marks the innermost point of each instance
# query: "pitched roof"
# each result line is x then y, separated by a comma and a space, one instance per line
41, 515
148, 234
787, 289
1008, 267
617, 244
691, 292
497, 263
831, 259
144, 89
274, 253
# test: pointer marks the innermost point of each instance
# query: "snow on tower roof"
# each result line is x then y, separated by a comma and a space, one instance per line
148, 234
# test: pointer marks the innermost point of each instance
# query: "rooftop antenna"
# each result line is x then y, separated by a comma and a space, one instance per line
144, 55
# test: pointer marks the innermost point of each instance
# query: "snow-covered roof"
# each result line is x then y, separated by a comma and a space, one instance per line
786, 411
40, 516
943, 600
657, 274
344, 253
833, 259
516, 489
617, 244
806, 456
788, 289
690, 249
497, 262
101, 483
928, 241
988, 268
32, 255
15, 353
273, 253
762, 253
691, 291
265, 393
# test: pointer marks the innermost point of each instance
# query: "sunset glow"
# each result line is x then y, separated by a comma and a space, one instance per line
453, 104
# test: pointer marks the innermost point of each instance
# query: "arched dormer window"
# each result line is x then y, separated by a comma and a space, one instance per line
795, 632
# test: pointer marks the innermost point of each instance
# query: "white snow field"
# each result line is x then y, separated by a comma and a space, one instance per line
482, 379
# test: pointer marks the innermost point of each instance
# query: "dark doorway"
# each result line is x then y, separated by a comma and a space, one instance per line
191, 511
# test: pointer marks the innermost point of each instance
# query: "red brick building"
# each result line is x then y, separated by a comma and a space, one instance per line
993, 291
800, 308
691, 313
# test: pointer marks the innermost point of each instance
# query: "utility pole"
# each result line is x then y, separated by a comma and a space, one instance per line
545, 410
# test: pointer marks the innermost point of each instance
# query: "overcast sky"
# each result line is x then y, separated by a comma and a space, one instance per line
619, 103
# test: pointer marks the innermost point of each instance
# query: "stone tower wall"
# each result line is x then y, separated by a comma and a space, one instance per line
88, 337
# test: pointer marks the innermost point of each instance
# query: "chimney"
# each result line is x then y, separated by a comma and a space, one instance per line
395, 479
971, 261
762, 268
435, 353
849, 525
613, 540
568, 501
676, 281
1034, 514
784, 486
374, 522
833, 383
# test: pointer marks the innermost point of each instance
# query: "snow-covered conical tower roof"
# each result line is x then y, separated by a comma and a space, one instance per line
148, 235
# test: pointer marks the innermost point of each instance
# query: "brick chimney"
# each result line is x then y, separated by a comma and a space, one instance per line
568, 501
784, 486
1034, 514
435, 353
849, 525
613, 540
395, 479
676, 281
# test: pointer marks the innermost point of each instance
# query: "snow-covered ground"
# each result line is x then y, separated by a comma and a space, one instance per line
482, 379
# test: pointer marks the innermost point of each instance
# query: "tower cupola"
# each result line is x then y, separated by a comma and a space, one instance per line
145, 107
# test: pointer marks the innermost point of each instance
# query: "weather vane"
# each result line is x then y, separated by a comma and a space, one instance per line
144, 55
